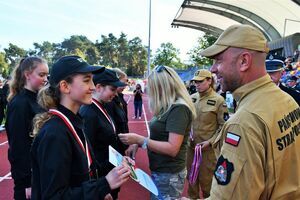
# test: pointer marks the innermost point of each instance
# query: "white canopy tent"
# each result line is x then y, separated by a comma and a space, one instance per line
275, 18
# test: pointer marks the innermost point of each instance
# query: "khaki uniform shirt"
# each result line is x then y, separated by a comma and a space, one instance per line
259, 146
211, 112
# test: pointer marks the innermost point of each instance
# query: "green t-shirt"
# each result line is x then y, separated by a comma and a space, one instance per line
176, 120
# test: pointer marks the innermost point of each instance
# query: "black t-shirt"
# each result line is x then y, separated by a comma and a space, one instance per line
177, 120
138, 95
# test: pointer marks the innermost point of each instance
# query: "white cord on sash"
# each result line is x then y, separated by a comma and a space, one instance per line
105, 114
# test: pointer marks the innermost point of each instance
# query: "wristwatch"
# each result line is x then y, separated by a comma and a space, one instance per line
145, 143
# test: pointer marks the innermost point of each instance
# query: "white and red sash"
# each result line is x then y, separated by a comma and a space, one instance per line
99, 106
85, 148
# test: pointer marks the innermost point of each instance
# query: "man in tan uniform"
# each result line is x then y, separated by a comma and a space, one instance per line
259, 146
211, 115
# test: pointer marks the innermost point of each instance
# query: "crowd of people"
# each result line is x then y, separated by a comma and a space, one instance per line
59, 150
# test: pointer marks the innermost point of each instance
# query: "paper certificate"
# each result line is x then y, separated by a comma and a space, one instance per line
138, 175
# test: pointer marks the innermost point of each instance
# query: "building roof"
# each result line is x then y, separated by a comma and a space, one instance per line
275, 18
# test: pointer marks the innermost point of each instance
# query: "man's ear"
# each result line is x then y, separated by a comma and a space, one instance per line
64, 87
245, 61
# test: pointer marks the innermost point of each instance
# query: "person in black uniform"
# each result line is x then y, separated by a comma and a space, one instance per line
27, 79
3, 98
138, 101
274, 68
117, 109
63, 163
98, 124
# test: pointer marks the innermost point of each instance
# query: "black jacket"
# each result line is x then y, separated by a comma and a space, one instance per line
100, 133
116, 110
60, 169
293, 93
20, 112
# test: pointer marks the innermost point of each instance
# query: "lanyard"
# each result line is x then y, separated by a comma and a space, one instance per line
196, 165
75, 135
98, 105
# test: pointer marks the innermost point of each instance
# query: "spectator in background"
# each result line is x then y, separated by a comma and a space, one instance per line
292, 82
173, 112
138, 101
275, 68
27, 79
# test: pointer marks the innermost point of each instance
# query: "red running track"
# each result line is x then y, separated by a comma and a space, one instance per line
129, 191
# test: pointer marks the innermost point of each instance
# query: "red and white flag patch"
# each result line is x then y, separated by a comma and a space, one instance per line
232, 139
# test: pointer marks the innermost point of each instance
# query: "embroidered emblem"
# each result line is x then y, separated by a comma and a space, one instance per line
211, 102
223, 171
232, 139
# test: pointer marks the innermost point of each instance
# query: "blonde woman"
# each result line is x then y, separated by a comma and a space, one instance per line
173, 112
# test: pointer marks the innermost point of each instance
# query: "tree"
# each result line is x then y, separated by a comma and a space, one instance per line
13, 54
3, 65
204, 42
44, 50
137, 58
167, 55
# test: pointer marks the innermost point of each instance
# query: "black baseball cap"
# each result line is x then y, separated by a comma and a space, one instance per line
108, 77
69, 65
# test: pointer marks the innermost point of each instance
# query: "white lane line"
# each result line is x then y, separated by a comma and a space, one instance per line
3, 143
146, 121
7, 176
128, 99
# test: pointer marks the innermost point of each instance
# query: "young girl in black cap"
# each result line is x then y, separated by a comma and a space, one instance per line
63, 162
27, 79
98, 125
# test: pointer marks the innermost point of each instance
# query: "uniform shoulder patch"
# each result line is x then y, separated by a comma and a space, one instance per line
211, 102
232, 139
223, 171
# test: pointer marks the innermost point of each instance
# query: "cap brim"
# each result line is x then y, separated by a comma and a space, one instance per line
196, 78
118, 84
91, 69
274, 70
213, 50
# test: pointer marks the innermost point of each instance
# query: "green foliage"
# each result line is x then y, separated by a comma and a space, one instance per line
204, 42
167, 55
3, 65
130, 55
13, 54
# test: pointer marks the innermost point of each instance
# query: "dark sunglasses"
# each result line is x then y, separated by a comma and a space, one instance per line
161, 68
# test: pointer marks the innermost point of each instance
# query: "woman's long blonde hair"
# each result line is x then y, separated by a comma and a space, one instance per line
165, 89
18, 80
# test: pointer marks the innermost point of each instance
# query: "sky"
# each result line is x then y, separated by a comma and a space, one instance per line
25, 22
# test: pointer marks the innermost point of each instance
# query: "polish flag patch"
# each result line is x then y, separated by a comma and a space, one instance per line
232, 139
